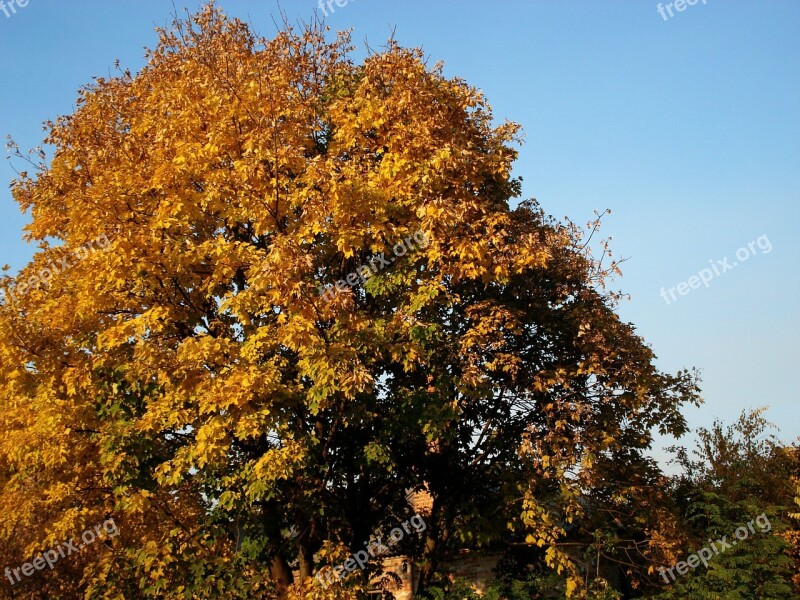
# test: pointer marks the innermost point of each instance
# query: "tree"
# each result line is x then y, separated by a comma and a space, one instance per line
792, 535
741, 473
245, 425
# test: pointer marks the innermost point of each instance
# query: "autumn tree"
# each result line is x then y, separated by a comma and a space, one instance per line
792, 534
244, 429
737, 473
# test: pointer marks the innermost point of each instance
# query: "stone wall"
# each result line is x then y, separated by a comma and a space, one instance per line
404, 569
475, 568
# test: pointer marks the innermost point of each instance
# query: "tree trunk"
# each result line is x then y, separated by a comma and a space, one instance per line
282, 575
306, 560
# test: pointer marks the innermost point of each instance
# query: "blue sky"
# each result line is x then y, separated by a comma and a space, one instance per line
687, 129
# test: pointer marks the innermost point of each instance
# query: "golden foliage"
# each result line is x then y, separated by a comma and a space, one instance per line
190, 380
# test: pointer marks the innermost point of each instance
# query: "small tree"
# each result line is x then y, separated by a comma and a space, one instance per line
741, 472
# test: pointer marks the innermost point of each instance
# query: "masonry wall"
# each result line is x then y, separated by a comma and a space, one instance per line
476, 569
402, 567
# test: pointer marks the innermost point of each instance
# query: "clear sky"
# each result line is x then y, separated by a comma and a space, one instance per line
687, 128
